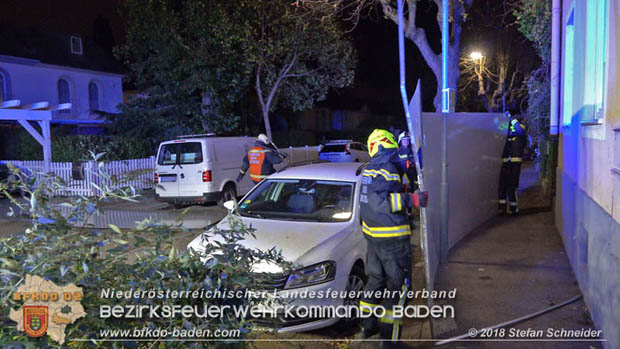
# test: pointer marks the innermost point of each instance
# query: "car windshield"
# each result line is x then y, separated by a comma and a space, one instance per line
300, 200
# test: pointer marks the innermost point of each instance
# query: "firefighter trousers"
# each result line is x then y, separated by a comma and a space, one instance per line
508, 185
388, 267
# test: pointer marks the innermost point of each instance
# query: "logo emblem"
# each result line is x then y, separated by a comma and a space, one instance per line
35, 320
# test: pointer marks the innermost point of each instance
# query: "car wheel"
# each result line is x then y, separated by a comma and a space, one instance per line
356, 282
229, 193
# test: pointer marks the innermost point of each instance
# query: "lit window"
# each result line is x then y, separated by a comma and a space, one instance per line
596, 23
93, 96
569, 68
64, 94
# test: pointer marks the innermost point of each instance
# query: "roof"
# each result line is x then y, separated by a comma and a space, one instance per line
54, 48
209, 139
334, 171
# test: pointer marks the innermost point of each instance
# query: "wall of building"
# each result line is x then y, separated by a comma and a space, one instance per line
587, 205
31, 81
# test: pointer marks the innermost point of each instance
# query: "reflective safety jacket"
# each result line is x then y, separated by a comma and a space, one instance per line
384, 206
259, 161
515, 142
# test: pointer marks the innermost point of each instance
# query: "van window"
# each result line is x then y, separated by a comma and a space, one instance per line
167, 155
191, 153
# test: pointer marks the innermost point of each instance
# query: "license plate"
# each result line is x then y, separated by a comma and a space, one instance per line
172, 178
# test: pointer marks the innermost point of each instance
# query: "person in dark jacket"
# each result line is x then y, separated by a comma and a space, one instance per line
385, 225
406, 161
512, 157
260, 160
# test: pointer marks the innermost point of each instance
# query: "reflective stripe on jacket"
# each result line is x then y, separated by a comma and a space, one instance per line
259, 161
515, 142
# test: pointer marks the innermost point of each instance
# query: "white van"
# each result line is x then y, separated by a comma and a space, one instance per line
201, 168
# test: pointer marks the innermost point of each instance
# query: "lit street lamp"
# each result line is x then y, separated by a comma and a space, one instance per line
476, 55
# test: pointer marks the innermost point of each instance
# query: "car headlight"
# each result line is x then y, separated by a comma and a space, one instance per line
312, 275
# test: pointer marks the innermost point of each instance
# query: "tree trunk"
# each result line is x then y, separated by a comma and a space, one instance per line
267, 123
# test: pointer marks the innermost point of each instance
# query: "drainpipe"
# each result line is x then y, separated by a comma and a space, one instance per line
556, 42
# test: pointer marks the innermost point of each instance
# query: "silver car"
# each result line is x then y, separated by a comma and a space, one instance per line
311, 213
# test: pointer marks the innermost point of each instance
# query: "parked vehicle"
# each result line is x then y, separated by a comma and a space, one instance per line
344, 150
311, 213
201, 168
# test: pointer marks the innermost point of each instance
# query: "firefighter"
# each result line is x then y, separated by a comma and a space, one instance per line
407, 161
260, 160
512, 157
385, 226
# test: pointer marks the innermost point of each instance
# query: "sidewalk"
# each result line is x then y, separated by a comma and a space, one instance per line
511, 267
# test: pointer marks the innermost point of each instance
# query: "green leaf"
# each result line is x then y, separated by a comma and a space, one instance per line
115, 228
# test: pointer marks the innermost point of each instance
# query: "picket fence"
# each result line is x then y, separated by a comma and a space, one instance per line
83, 178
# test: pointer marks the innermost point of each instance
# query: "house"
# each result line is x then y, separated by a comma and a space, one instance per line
37, 65
586, 117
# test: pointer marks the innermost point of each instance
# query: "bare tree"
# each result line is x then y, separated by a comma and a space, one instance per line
500, 81
353, 9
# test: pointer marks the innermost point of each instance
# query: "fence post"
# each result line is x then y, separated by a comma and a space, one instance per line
90, 178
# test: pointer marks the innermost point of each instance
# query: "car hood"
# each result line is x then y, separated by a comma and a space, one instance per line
294, 239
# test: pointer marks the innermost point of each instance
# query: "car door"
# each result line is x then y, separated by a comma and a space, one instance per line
190, 169
167, 170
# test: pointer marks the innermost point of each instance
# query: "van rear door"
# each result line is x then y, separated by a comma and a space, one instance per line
167, 157
194, 179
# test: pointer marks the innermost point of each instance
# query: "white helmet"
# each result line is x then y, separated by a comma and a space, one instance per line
263, 138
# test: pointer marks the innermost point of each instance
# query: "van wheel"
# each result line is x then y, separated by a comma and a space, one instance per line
229, 193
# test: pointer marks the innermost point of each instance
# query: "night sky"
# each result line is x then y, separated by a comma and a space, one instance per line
376, 83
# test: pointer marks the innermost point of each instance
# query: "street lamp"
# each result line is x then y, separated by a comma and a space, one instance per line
476, 55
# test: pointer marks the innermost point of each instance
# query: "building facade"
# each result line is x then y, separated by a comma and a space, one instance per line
59, 68
587, 204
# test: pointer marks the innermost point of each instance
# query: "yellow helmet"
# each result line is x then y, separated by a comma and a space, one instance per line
380, 137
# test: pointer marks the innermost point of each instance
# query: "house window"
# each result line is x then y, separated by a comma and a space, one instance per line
596, 23
76, 45
569, 68
93, 96
64, 94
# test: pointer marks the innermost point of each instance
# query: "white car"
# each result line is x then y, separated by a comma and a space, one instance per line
311, 213
344, 150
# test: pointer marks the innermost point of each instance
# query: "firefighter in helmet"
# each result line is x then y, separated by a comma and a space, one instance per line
260, 160
512, 157
406, 161
385, 225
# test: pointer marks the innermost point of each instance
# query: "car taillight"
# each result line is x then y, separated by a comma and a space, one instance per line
206, 176
155, 178
347, 150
